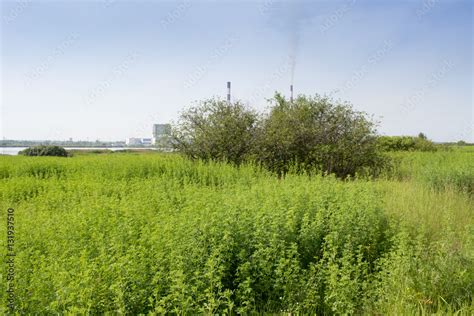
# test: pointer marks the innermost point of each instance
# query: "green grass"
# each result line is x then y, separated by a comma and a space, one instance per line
128, 233
439, 170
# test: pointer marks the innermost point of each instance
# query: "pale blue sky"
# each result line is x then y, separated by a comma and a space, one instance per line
110, 69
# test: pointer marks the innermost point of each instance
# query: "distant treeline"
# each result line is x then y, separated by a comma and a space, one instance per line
28, 143
406, 143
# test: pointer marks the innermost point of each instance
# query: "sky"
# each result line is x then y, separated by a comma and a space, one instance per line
110, 69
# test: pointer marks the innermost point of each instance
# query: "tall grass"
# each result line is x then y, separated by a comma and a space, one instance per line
160, 234
439, 170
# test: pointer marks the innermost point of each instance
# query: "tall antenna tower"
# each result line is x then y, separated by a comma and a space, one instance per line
228, 92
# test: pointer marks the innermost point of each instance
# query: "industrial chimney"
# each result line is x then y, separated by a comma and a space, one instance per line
291, 93
228, 91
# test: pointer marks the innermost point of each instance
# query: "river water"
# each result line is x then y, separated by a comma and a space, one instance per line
14, 150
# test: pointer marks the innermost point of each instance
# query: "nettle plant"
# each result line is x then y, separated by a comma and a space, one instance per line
159, 233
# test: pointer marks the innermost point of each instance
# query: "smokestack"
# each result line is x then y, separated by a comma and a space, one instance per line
228, 91
291, 93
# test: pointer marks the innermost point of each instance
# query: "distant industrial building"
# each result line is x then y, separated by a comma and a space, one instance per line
147, 141
161, 129
161, 133
133, 141
160, 139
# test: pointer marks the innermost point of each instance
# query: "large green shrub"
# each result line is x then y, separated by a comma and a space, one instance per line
216, 130
317, 133
311, 133
406, 143
56, 151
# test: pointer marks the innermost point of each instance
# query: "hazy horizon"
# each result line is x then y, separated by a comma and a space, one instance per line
110, 69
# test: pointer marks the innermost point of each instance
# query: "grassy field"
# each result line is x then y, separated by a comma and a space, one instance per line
155, 233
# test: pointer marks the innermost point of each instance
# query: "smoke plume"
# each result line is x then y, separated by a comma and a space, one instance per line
289, 18
295, 17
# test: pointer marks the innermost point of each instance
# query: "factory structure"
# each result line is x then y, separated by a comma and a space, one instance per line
135, 141
229, 95
161, 134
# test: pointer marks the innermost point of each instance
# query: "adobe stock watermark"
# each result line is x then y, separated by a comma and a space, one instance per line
266, 6
426, 7
108, 3
175, 14
116, 72
145, 128
336, 16
16, 11
217, 54
10, 260
466, 133
279, 73
436, 77
373, 59
49, 61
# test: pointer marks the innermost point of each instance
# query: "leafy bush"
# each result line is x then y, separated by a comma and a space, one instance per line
55, 151
317, 133
312, 133
406, 143
217, 130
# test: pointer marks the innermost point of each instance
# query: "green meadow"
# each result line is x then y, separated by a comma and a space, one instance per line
138, 233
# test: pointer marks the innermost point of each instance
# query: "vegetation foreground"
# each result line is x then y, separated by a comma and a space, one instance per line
155, 233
